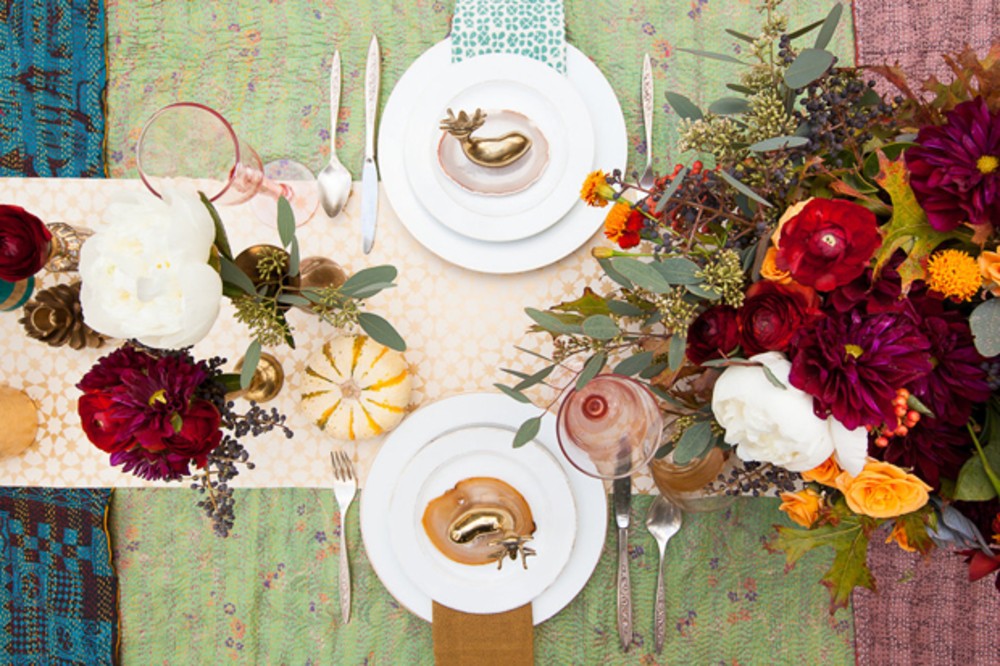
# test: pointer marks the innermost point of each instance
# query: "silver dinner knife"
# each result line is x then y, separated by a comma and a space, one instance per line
369, 173
623, 507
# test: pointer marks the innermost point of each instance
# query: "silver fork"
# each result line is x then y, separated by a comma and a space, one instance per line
344, 488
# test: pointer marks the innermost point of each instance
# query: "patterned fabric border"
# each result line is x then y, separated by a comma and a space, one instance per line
532, 28
52, 84
58, 591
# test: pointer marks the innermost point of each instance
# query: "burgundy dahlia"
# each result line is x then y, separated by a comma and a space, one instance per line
853, 363
957, 381
934, 450
954, 169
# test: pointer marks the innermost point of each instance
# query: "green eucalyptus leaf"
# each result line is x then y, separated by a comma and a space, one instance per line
623, 309
669, 192
600, 327
633, 365
653, 370
914, 403
367, 276
610, 271
528, 431
703, 292
808, 66
642, 274
694, 443
714, 56
533, 353
516, 373
985, 324
743, 189
294, 299
779, 143
250, 360
551, 323
771, 377
829, 26
735, 87
728, 106
739, 35
231, 273
517, 395
590, 369
675, 354
221, 239
677, 270
293, 258
684, 107
286, 221
370, 290
973, 483
806, 30
381, 331
537, 378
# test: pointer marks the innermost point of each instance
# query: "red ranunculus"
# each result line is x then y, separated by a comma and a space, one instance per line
829, 243
772, 313
714, 334
24, 243
99, 422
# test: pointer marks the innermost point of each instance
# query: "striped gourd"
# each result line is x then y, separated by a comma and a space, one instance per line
356, 388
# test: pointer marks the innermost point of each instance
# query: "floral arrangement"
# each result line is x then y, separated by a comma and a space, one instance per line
816, 292
154, 274
159, 414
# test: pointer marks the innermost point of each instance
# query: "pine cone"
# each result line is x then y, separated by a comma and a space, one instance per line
55, 317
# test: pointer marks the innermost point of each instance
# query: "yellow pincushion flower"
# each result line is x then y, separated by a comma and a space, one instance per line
596, 191
955, 274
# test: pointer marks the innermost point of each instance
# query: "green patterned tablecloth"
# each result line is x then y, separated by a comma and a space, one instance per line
267, 594
266, 65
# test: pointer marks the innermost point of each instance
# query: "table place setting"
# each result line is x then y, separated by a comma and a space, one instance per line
592, 396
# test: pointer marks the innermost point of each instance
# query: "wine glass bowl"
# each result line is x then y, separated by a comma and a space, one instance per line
610, 427
192, 143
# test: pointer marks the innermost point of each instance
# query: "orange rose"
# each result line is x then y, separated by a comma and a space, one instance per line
989, 266
802, 507
770, 271
899, 536
883, 490
825, 473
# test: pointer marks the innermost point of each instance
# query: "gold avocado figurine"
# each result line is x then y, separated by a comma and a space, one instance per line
487, 152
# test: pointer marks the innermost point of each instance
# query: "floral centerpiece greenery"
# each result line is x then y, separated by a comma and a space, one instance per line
154, 274
817, 292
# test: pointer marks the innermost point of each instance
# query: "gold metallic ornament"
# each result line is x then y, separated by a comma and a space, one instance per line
55, 317
266, 382
488, 152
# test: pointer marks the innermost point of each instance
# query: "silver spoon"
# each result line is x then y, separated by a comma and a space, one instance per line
647, 180
663, 520
334, 180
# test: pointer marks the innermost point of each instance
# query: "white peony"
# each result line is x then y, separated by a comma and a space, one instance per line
775, 425
145, 271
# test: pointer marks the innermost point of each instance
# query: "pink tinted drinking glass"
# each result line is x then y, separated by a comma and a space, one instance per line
609, 428
191, 142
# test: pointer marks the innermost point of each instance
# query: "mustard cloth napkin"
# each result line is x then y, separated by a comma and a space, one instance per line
500, 639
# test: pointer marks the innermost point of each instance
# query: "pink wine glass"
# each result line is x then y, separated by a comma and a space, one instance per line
194, 143
610, 428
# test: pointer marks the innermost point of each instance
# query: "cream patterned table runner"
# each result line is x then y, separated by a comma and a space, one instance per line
461, 328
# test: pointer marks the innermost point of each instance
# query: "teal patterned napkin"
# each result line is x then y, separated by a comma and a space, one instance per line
533, 28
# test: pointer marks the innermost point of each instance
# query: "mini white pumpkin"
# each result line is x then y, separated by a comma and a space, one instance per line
356, 388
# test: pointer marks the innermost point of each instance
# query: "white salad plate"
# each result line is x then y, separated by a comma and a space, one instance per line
483, 451
495, 83
432, 423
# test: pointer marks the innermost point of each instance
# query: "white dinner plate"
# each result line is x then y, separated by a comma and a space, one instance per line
483, 452
462, 412
514, 83
542, 249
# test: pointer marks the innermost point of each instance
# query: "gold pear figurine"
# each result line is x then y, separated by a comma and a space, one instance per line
486, 152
